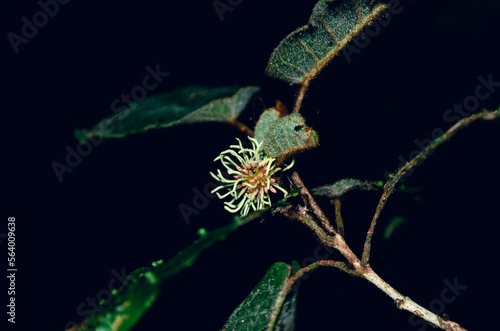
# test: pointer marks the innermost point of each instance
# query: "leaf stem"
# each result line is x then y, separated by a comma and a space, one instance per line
241, 126
300, 96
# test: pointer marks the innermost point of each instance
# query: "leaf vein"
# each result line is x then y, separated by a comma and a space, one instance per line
358, 11
330, 32
308, 50
293, 66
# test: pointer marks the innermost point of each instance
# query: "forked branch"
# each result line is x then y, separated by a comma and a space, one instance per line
356, 268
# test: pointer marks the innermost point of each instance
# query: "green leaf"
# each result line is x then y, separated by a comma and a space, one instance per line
265, 122
345, 185
128, 306
143, 285
289, 135
261, 307
188, 256
185, 105
307, 50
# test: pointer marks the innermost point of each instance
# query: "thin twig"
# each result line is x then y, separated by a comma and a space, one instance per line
338, 217
322, 263
305, 218
293, 279
336, 241
391, 183
339, 265
314, 206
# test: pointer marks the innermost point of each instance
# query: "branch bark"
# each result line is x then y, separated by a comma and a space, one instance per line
404, 302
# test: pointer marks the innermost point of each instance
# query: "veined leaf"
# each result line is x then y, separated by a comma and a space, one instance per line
289, 135
265, 122
332, 25
261, 307
186, 105
140, 291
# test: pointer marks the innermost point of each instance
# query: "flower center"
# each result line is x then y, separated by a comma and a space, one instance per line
255, 178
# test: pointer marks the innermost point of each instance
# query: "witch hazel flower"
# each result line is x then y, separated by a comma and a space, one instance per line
251, 178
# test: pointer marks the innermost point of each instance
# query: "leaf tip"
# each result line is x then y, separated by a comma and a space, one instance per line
81, 136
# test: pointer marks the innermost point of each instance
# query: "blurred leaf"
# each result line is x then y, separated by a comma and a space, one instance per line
294, 192
265, 122
188, 256
395, 223
345, 185
260, 308
143, 285
289, 135
307, 50
129, 305
185, 105
410, 189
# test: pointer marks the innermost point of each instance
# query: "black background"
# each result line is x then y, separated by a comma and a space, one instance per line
119, 207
